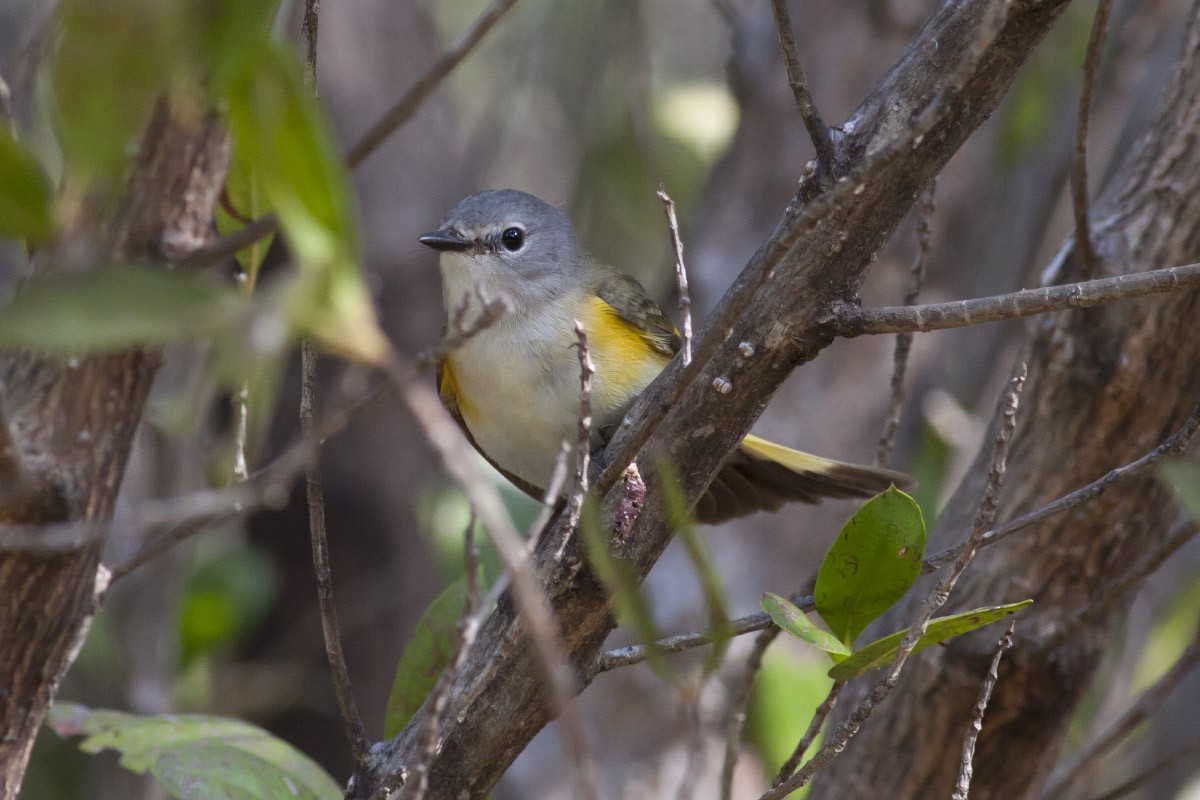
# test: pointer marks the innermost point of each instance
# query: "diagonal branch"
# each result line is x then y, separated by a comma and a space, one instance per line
818, 131
1084, 247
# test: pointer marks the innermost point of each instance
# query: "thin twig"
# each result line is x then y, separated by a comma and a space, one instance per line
685, 300
1172, 445
463, 330
1186, 753
6, 114
468, 626
583, 443
458, 459
1079, 173
403, 110
887, 439
983, 520
739, 707
400, 113
818, 131
308, 29
1144, 707
636, 654
355, 732
852, 321
962, 787
810, 734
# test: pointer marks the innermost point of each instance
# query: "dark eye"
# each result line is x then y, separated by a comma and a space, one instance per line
512, 239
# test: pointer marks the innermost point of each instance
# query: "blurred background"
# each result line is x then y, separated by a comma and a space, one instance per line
590, 106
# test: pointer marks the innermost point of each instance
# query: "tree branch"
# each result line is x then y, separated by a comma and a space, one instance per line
818, 131
963, 787
1084, 249
850, 321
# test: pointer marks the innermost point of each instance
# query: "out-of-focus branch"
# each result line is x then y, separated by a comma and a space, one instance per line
1084, 249
1148, 702
851, 321
810, 734
739, 708
1180, 756
685, 299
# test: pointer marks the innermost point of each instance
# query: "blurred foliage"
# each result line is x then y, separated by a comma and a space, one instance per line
194, 756
930, 468
25, 211
787, 691
226, 597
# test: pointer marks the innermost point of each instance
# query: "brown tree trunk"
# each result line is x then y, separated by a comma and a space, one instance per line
71, 423
1105, 386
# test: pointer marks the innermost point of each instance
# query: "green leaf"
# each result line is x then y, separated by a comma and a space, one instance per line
198, 757
117, 307
1184, 480
791, 619
25, 195
787, 690
874, 561
879, 652
621, 580
292, 152
715, 599
433, 643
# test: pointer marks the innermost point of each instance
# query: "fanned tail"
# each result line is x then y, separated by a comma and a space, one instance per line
762, 475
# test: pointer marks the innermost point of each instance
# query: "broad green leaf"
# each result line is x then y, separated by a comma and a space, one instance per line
715, 598
197, 757
434, 640
622, 582
117, 307
1184, 480
794, 621
24, 192
230, 33
292, 153
879, 652
870, 566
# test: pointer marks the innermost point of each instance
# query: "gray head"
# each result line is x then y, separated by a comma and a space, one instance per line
501, 234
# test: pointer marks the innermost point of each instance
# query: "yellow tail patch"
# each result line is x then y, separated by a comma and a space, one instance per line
792, 459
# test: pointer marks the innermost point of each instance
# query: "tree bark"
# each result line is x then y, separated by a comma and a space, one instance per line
498, 702
71, 424
1104, 386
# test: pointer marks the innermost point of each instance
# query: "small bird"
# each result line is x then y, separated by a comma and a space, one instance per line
514, 386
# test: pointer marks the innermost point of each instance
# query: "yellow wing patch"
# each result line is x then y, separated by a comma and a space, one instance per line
451, 396
625, 359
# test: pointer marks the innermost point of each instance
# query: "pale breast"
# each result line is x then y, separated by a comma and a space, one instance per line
520, 393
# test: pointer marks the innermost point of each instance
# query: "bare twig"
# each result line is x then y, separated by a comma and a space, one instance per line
355, 732
818, 131
851, 321
1183, 754
887, 439
685, 300
739, 707
1079, 174
963, 786
6, 114
1147, 703
308, 28
983, 520
399, 114
810, 734
583, 443
458, 460
1173, 444
403, 110
463, 330
468, 626
636, 654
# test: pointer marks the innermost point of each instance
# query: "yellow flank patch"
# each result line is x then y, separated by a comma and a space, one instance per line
792, 459
625, 361
452, 396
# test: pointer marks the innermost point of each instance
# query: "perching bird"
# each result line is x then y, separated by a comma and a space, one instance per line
514, 386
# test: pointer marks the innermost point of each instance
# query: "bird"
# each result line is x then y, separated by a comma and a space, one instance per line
513, 386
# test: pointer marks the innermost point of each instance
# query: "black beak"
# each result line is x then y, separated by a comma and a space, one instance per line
444, 239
